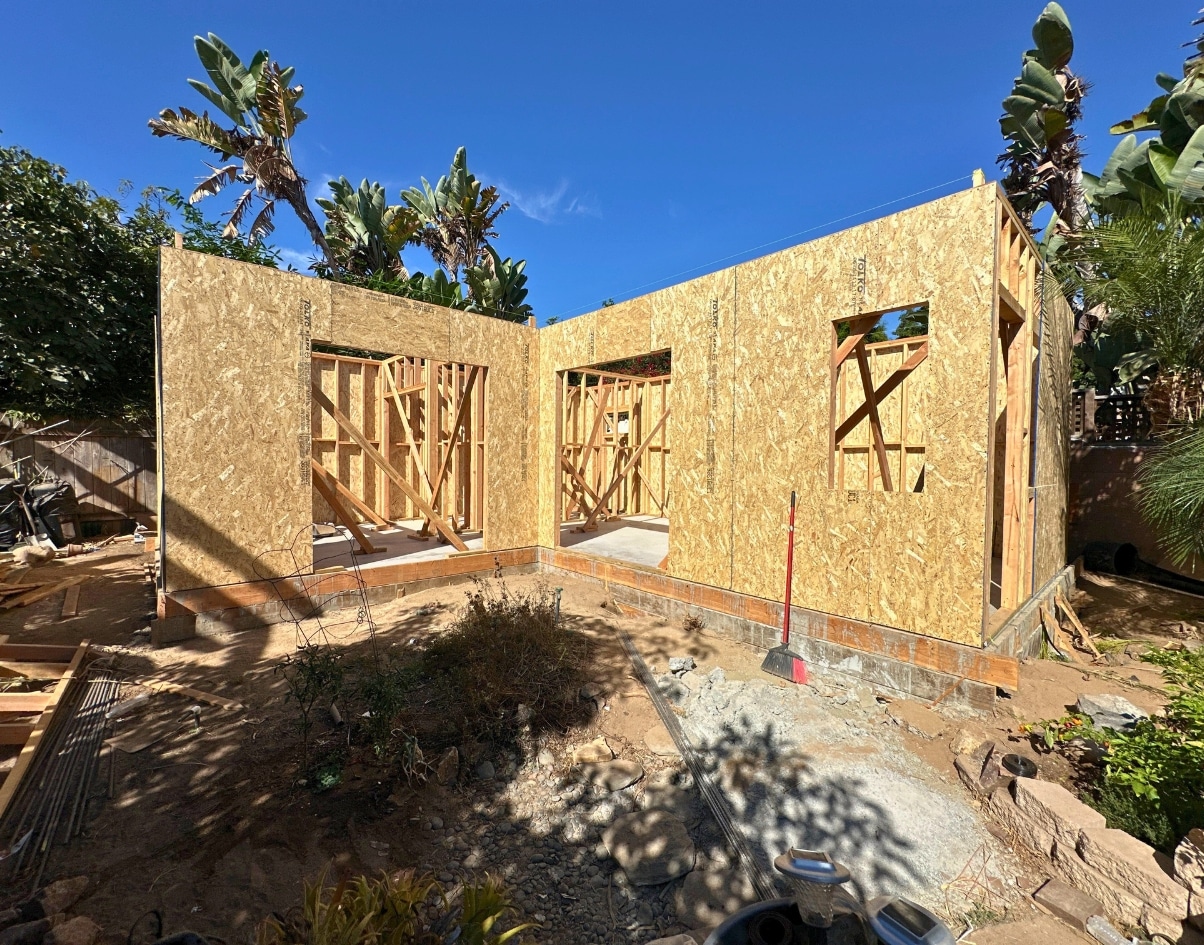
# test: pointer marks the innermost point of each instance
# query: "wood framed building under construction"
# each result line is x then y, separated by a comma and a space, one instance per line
908, 377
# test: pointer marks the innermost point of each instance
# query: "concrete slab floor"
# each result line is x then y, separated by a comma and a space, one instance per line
642, 539
396, 544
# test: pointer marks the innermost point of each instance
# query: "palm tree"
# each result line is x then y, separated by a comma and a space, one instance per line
1043, 160
456, 216
1145, 267
365, 233
257, 97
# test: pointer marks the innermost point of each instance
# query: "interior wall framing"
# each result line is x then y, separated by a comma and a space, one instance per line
751, 416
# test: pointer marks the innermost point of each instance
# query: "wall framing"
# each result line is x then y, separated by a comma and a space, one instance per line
751, 416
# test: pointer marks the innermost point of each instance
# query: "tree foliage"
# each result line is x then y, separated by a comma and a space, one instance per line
365, 233
258, 98
1043, 159
78, 291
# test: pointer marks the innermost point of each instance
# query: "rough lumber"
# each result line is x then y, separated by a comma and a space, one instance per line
592, 521
333, 481
46, 590
341, 513
161, 685
1083, 635
70, 603
867, 383
461, 416
411, 443
15, 733
14, 669
398, 479
884, 390
50, 702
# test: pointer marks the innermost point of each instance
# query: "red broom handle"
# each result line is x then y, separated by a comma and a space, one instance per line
789, 572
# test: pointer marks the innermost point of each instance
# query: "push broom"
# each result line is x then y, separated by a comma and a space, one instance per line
780, 661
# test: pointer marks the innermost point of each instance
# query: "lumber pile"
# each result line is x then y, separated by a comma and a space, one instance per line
1068, 637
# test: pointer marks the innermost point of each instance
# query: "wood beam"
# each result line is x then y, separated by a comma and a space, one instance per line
374, 454
867, 384
858, 329
599, 417
461, 415
577, 478
341, 513
331, 480
15, 733
592, 521
411, 441
884, 390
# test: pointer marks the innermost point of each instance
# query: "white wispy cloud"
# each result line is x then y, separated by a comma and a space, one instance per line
301, 261
548, 206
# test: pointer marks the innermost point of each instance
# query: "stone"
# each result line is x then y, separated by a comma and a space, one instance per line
717, 676
707, 898
681, 664
682, 939
594, 752
1136, 867
1036, 836
980, 772
545, 759
448, 766
58, 896
673, 690
917, 719
967, 741
1156, 923
1071, 905
611, 775
693, 681
1110, 711
1189, 862
28, 933
1119, 905
651, 847
484, 771
77, 931
1063, 814
658, 741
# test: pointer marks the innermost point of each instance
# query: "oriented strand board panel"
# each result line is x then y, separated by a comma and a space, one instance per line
235, 418
510, 352
751, 416
1053, 435
372, 321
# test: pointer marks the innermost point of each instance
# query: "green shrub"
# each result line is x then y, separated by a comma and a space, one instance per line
1135, 815
504, 651
404, 908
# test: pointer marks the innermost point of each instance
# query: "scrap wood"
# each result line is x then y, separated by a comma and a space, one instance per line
70, 602
32, 597
162, 685
1079, 629
1057, 639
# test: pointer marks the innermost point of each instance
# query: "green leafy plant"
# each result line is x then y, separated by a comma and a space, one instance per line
403, 908
1171, 497
313, 674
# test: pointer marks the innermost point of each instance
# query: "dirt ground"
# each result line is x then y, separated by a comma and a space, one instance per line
210, 826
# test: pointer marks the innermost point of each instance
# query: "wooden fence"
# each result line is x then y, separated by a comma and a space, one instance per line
111, 470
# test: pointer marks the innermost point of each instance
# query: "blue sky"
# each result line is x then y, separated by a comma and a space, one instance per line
635, 141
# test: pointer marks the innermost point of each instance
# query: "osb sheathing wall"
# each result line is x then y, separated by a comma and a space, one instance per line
1053, 395
751, 411
236, 409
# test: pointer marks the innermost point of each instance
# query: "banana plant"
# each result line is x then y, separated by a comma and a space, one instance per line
365, 233
1170, 164
497, 287
258, 98
1043, 160
457, 216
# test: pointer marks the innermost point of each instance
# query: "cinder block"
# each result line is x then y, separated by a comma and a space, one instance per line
169, 630
1055, 806
1027, 831
1072, 906
1134, 866
1119, 905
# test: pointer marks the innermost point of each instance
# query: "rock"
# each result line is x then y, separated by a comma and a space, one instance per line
1119, 906
673, 690
675, 940
681, 664
32, 555
1069, 904
29, 933
448, 766
545, 758
1189, 862
77, 931
643, 916
709, 898
660, 742
60, 895
436, 823
484, 771
1063, 814
651, 847
594, 752
611, 775
1110, 711
693, 681
980, 771
967, 741
1027, 831
917, 719
1134, 866
717, 676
